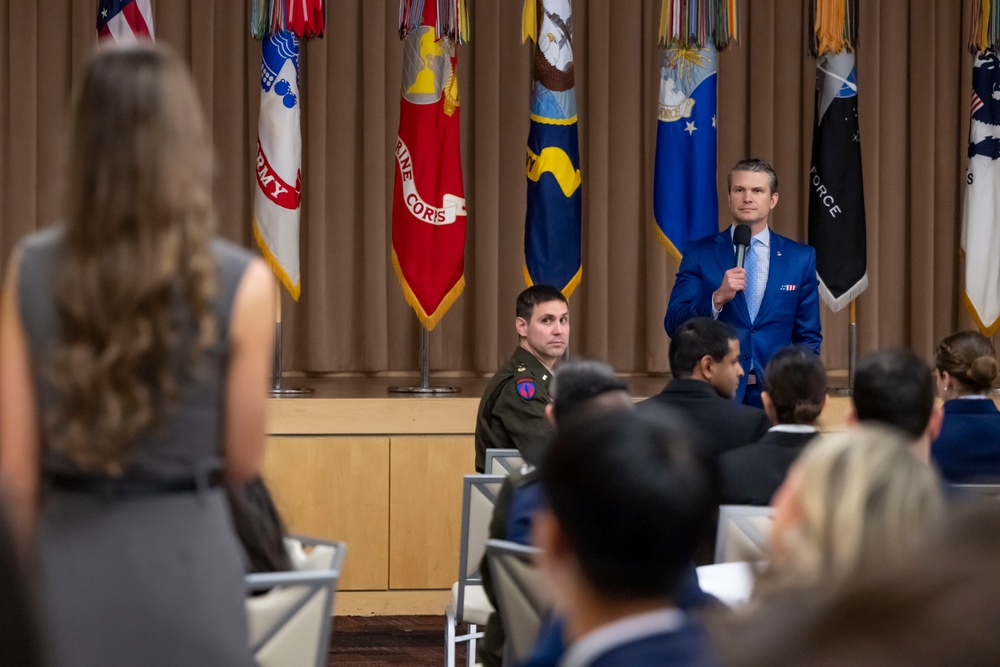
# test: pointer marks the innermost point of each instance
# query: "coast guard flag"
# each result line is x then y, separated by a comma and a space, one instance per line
428, 209
552, 227
124, 21
981, 220
836, 190
279, 156
685, 201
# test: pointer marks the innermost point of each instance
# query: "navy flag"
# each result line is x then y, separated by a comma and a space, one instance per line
836, 191
552, 229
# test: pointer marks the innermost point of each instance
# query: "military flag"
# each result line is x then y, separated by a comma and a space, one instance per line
279, 158
836, 189
428, 210
552, 228
685, 199
124, 21
981, 215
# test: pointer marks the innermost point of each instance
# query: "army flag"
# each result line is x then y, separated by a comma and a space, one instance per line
685, 200
836, 189
981, 215
124, 21
428, 209
279, 157
552, 228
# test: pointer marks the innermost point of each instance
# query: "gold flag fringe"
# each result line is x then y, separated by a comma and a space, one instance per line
294, 288
698, 23
429, 321
834, 26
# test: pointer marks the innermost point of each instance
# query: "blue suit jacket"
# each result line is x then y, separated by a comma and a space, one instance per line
968, 447
789, 309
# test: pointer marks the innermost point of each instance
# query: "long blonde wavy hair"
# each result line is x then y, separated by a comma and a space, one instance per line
862, 499
137, 243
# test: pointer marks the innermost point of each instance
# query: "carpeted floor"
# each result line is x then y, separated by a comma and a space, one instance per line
388, 640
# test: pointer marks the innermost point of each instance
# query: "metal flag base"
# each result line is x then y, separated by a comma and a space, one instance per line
425, 374
852, 354
277, 391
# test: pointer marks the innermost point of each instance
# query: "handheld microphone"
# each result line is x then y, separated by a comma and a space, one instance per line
741, 239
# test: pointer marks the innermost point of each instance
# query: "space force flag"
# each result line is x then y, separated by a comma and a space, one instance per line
836, 189
685, 199
552, 228
981, 215
428, 209
124, 21
279, 157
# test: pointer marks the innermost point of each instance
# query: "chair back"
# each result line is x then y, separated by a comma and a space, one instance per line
290, 624
503, 461
742, 533
984, 490
479, 495
521, 595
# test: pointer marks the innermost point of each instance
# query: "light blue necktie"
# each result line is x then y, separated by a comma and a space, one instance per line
755, 281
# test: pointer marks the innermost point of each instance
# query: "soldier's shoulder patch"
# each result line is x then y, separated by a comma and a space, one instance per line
526, 388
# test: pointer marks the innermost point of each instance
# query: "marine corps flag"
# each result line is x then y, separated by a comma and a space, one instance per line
428, 210
552, 227
685, 199
836, 189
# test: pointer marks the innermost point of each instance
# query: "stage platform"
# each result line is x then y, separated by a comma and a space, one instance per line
382, 471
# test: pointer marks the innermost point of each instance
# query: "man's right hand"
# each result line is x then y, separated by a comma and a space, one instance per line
735, 280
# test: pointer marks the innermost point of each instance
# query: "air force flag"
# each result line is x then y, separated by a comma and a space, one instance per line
685, 201
981, 220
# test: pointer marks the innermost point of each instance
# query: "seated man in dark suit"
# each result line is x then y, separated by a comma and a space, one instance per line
896, 387
705, 363
629, 496
794, 399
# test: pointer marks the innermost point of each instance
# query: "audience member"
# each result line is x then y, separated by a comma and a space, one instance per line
20, 639
937, 606
581, 387
895, 387
705, 363
512, 410
968, 447
628, 498
793, 401
135, 351
852, 500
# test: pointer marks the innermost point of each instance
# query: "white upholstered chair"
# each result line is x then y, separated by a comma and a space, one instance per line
290, 623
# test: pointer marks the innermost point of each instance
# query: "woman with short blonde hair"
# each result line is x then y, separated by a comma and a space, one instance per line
850, 501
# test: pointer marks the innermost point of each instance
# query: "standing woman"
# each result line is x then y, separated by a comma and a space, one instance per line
968, 447
135, 352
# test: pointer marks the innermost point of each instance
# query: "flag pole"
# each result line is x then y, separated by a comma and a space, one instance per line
852, 346
277, 390
425, 372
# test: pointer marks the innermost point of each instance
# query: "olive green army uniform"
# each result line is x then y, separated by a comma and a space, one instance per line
512, 410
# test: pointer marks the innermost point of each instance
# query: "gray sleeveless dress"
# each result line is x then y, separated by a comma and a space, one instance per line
151, 579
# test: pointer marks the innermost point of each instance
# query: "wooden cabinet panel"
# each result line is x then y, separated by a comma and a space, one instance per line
336, 488
425, 508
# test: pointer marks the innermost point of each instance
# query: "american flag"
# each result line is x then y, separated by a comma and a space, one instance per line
124, 21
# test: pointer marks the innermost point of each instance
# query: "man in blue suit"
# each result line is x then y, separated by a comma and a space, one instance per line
772, 302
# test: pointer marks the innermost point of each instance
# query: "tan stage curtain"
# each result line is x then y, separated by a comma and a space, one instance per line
914, 76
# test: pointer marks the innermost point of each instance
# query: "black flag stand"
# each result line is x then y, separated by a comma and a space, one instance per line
278, 391
425, 387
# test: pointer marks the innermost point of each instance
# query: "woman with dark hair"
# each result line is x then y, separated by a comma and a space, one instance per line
135, 351
968, 447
